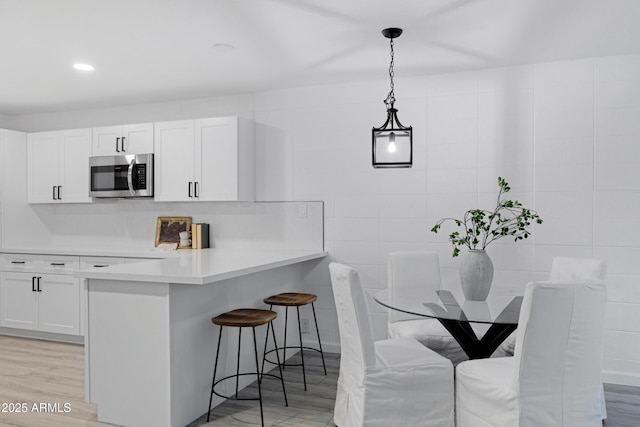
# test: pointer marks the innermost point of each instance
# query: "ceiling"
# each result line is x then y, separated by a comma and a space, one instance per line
161, 50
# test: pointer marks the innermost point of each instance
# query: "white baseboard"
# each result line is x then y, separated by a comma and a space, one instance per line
25, 333
328, 347
621, 378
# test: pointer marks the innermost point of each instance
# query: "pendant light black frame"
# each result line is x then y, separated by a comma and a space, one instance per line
392, 128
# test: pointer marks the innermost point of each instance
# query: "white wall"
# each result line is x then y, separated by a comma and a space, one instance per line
563, 134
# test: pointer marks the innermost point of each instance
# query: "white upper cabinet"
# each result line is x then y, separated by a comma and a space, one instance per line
127, 139
205, 160
173, 161
58, 166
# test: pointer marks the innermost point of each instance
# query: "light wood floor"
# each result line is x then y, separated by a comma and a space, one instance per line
35, 372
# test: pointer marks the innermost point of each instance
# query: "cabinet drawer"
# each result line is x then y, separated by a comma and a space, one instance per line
18, 262
60, 264
99, 261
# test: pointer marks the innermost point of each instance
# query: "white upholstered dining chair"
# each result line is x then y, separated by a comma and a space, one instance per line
393, 382
564, 269
554, 377
418, 273
568, 269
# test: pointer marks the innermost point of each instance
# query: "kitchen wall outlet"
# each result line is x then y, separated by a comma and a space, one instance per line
302, 211
304, 326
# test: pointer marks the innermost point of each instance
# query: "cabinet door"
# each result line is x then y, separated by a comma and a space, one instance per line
216, 159
127, 139
106, 141
43, 165
138, 139
76, 150
59, 304
174, 153
18, 301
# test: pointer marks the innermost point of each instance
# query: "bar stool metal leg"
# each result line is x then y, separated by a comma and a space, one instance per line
286, 322
264, 352
304, 373
275, 345
238, 360
315, 320
255, 351
215, 369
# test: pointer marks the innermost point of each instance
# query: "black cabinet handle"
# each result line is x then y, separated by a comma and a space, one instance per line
117, 142
17, 262
39, 279
190, 189
123, 143
195, 189
33, 284
57, 264
54, 193
100, 265
59, 188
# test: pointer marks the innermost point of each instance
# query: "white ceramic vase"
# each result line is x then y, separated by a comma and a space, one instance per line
476, 275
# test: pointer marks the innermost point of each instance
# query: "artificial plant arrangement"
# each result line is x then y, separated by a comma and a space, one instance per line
481, 227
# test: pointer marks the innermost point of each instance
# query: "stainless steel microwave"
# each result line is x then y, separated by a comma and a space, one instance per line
129, 175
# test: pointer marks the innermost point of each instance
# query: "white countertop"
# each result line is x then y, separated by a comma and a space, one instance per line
200, 266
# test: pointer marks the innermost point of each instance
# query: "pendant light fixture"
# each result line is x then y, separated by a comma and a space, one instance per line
392, 143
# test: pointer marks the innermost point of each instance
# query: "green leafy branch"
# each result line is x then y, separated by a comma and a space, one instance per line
481, 227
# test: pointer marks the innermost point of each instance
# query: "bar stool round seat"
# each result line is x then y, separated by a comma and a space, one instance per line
297, 300
291, 299
245, 318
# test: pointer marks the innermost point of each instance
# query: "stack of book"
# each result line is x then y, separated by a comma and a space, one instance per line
199, 236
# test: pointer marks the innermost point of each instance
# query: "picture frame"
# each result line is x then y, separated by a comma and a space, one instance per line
168, 228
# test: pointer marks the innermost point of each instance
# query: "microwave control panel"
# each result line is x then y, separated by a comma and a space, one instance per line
140, 177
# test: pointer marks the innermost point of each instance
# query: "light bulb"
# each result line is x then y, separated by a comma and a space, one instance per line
391, 147
83, 67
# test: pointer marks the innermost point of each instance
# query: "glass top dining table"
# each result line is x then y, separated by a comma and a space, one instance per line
500, 312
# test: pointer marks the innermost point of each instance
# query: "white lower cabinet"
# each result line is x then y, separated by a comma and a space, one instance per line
19, 302
39, 292
42, 302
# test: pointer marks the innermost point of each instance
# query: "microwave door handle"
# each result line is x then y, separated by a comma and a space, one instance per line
130, 177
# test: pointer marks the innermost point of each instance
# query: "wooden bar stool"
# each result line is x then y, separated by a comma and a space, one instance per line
244, 318
294, 299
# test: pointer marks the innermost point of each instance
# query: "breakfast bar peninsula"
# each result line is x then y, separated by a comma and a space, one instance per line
150, 343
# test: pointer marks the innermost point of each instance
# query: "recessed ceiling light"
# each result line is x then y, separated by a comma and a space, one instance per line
222, 47
83, 67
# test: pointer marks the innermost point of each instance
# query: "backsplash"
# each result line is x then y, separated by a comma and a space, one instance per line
131, 224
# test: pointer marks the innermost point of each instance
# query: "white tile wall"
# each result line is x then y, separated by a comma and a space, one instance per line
131, 224
563, 134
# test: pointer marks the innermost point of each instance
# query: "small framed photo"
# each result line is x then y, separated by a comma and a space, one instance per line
168, 228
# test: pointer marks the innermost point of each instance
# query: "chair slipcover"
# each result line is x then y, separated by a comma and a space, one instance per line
394, 382
418, 273
567, 269
554, 377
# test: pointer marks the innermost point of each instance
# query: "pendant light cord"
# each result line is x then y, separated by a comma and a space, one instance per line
391, 97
